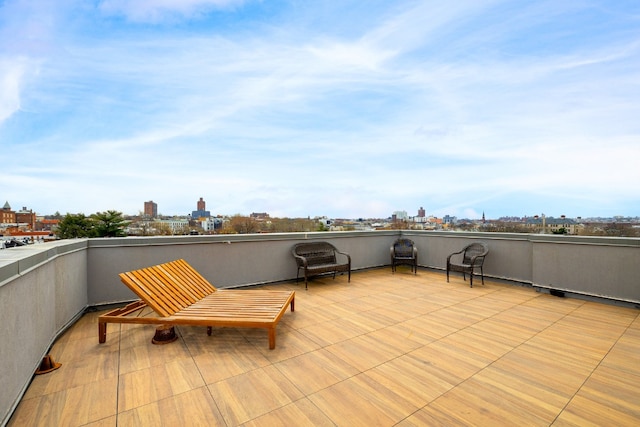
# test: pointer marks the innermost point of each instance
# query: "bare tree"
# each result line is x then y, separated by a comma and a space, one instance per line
243, 224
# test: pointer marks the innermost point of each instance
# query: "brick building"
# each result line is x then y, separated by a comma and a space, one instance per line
7, 215
26, 216
151, 209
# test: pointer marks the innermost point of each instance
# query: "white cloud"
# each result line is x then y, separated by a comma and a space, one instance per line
298, 119
11, 74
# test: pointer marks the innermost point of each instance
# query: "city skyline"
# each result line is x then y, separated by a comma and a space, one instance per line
150, 206
342, 109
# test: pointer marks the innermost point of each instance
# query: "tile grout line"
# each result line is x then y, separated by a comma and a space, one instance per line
118, 373
595, 368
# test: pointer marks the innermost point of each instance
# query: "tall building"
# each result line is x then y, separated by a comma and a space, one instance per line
201, 212
151, 209
421, 212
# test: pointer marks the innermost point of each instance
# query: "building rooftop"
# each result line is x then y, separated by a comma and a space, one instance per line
386, 349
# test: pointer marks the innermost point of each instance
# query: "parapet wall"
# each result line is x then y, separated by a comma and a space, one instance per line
46, 287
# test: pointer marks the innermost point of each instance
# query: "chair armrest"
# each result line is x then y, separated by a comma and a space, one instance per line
345, 254
393, 252
300, 260
455, 253
474, 258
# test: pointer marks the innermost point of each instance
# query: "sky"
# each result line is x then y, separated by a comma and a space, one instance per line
337, 108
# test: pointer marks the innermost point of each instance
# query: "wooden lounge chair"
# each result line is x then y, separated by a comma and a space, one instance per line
179, 295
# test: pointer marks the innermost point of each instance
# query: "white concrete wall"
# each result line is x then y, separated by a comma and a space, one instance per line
42, 289
602, 267
225, 260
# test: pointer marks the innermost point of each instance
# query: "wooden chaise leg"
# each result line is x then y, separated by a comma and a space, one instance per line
114, 314
102, 332
272, 338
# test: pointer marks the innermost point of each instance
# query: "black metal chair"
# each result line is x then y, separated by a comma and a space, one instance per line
404, 252
473, 256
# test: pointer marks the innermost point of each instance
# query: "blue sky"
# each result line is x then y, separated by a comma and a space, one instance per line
330, 107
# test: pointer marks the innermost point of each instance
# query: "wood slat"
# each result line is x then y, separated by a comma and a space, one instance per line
168, 287
184, 271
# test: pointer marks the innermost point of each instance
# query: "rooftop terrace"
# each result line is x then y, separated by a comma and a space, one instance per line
385, 349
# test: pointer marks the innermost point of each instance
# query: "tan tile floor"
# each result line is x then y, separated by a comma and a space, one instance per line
384, 350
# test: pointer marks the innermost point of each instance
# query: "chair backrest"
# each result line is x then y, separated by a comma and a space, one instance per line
315, 253
168, 288
403, 248
479, 250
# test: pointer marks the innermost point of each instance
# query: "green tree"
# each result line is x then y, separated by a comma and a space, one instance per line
73, 226
108, 224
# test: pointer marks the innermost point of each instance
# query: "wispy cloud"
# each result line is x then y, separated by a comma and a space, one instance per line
300, 109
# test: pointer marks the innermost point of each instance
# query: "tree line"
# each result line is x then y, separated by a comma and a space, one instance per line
99, 224
112, 224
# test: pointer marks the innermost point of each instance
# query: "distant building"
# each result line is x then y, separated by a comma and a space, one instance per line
46, 224
26, 216
448, 219
177, 226
201, 212
400, 216
259, 215
210, 224
420, 219
552, 225
7, 216
16, 223
421, 212
150, 209
326, 222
